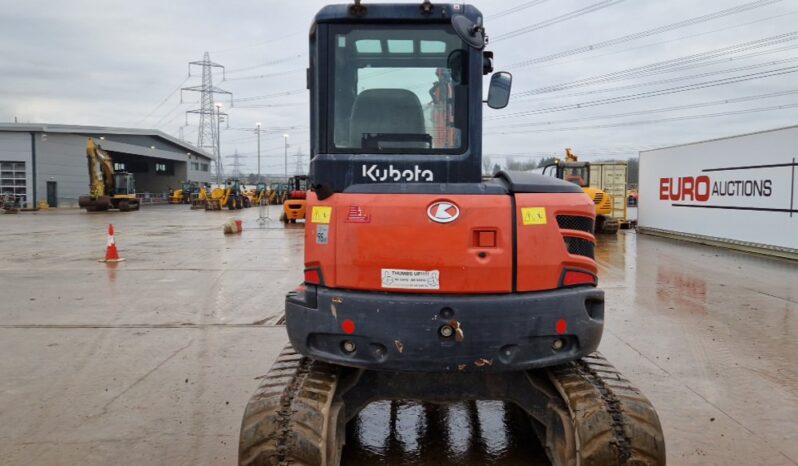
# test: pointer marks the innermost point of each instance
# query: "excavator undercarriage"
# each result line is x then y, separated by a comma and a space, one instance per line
584, 412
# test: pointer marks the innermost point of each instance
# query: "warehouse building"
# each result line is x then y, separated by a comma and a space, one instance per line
41, 162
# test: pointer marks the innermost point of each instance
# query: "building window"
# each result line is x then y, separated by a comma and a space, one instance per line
119, 167
204, 167
195, 166
13, 180
164, 169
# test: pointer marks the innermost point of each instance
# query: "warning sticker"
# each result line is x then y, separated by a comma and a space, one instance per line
411, 279
322, 234
533, 215
321, 214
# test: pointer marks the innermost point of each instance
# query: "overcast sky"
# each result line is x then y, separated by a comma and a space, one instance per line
118, 63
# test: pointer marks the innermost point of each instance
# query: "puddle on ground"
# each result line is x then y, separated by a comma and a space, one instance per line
458, 434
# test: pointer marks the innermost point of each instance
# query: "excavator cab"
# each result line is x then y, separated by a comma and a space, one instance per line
422, 280
124, 183
574, 172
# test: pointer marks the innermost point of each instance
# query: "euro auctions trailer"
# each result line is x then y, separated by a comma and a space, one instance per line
738, 191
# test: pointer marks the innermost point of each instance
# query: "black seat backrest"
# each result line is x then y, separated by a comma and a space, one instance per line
386, 111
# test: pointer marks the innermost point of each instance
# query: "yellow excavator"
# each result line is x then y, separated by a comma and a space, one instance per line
571, 169
109, 189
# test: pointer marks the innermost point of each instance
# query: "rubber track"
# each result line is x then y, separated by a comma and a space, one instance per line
614, 424
286, 420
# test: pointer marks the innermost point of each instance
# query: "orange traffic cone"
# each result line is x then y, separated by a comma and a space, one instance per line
111, 254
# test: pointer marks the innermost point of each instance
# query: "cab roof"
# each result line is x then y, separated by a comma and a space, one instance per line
395, 13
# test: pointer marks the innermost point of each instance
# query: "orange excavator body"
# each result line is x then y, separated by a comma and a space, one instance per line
474, 254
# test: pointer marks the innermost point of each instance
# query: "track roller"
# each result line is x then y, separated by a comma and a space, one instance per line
292, 419
585, 412
612, 422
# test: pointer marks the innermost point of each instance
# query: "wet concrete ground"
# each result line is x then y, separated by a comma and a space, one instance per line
151, 361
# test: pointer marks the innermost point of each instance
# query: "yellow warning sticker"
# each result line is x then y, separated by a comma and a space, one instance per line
533, 215
321, 214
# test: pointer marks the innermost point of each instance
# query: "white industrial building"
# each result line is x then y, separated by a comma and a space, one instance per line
42, 162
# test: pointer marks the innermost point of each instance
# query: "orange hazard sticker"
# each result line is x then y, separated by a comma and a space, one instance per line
533, 215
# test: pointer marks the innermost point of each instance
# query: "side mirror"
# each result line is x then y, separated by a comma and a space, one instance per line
499, 90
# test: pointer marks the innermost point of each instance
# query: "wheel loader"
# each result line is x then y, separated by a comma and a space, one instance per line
108, 189
230, 196
423, 281
574, 171
184, 195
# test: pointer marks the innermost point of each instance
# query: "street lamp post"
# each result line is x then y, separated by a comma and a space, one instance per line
285, 138
218, 144
258, 125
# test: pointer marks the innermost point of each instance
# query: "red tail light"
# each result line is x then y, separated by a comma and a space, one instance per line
578, 277
313, 276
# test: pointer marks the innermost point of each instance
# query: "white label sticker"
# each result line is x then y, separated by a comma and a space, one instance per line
411, 279
322, 234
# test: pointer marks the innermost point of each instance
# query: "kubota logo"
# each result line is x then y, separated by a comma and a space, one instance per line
443, 212
375, 173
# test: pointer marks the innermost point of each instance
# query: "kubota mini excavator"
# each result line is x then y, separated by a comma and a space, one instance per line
423, 281
109, 189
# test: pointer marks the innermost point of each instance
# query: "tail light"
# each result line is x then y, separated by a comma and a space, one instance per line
313, 276
578, 277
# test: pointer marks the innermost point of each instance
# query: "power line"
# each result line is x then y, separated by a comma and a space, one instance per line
660, 120
267, 75
271, 96
171, 110
655, 93
516, 9
259, 44
646, 33
283, 104
670, 80
268, 63
557, 19
668, 41
674, 64
650, 111
162, 102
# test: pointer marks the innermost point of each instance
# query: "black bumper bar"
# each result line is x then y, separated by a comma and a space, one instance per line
402, 332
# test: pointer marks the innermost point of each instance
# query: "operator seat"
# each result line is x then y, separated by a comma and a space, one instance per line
387, 111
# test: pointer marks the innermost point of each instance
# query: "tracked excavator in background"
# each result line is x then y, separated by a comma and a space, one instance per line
109, 189
422, 280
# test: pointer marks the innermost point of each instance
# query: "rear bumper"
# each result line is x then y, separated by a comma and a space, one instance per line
401, 332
